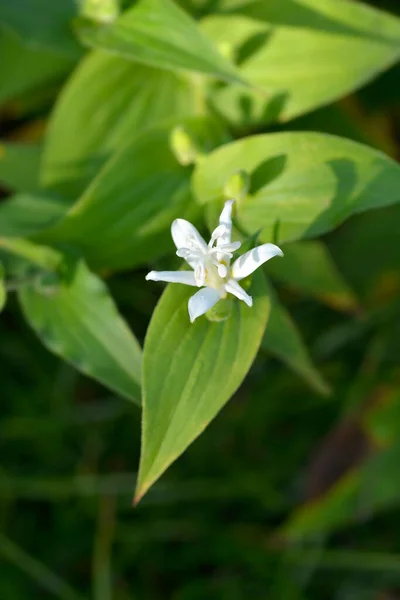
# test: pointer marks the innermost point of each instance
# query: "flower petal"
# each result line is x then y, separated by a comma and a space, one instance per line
250, 261
202, 301
226, 214
225, 220
218, 232
236, 290
186, 277
185, 235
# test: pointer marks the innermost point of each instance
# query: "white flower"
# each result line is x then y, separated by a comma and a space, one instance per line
211, 263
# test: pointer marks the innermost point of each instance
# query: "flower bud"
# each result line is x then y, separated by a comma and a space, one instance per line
237, 186
100, 11
183, 146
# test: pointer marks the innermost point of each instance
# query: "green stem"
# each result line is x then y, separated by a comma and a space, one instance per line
102, 568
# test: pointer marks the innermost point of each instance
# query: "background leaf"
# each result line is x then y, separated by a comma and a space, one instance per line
356, 494
76, 318
373, 265
300, 54
190, 371
124, 217
3, 292
283, 340
19, 166
28, 68
47, 26
302, 184
309, 269
160, 34
24, 215
85, 129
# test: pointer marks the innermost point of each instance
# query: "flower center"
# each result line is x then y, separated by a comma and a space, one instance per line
213, 262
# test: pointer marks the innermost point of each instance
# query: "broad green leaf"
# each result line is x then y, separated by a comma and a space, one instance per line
124, 217
309, 269
190, 371
302, 184
28, 68
160, 34
107, 102
25, 215
3, 292
283, 340
301, 54
19, 166
44, 24
76, 318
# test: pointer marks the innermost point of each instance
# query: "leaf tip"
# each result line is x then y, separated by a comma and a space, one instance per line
139, 493
136, 499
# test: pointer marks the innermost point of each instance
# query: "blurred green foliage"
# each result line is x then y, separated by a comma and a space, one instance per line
293, 491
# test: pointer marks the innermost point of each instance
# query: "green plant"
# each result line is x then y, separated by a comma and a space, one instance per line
155, 112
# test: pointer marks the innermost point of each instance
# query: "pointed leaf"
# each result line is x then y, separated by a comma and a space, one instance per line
302, 184
190, 371
160, 34
283, 340
76, 318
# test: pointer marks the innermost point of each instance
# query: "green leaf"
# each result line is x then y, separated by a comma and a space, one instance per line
28, 68
19, 166
283, 340
44, 257
25, 215
373, 265
302, 184
107, 102
160, 34
190, 371
46, 24
3, 292
124, 217
309, 269
76, 318
300, 54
